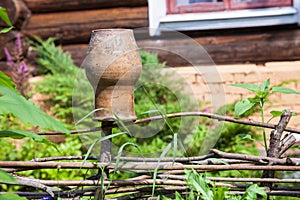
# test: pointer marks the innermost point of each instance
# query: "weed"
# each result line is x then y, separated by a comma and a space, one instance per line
262, 93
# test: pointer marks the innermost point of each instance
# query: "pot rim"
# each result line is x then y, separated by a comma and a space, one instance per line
112, 30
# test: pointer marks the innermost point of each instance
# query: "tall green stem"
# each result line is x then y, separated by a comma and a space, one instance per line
263, 121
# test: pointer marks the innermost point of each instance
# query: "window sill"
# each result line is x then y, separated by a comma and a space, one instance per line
228, 19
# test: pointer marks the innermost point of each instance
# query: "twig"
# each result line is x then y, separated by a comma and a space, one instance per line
274, 147
63, 158
111, 183
274, 180
146, 189
272, 193
259, 159
72, 193
36, 184
288, 141
90, 191
224, 179
87, 165
168, 159
276, 134
183, 114
49, 165
127, 159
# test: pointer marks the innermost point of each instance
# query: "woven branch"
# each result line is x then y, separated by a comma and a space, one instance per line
258, 159
141, 166
183, 114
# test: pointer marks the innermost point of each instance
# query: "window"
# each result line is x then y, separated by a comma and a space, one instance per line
192, 6
186, 15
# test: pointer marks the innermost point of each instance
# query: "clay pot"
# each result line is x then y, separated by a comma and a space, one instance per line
113, 65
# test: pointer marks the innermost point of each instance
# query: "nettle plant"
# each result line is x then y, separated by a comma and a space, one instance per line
262, 93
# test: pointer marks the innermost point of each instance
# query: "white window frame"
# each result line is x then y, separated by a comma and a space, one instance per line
159, 19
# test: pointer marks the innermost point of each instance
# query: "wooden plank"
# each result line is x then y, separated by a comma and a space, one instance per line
38, 6
77, 51
259, 47
76, 26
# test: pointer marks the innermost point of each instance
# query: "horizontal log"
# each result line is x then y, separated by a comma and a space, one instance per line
274, 45
77, 51
76, 27
38, 6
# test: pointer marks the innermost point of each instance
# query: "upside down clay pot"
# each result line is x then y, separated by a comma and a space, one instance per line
113, 65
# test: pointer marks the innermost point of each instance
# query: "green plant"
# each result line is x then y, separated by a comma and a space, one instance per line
262, 93
201, 188
13, 103
60, 76
29, 150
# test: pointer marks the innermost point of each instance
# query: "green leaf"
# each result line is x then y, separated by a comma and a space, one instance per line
4, 16
264, 86
100, 140
198, 182
178, 196
5, 30
284, 90
243, 106
150, 112
122, 124
26, 111
87, 115
253, 191
246, 136
19, 134
276, 113
11, 197
220, 193
162, 155
6, 178
120, 153
251, 87
7, 82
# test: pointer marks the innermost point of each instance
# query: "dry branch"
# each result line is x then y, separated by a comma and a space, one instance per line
274, 147
272, 180
185, 114
258, 159
110, 183
36, 184
46, 159
141, 166
49, 165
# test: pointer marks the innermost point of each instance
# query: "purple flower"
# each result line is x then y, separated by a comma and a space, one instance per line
19, 70
18, 47
9, 59
207, 110
23, 69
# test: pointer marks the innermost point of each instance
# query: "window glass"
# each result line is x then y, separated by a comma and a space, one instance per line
194, 6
